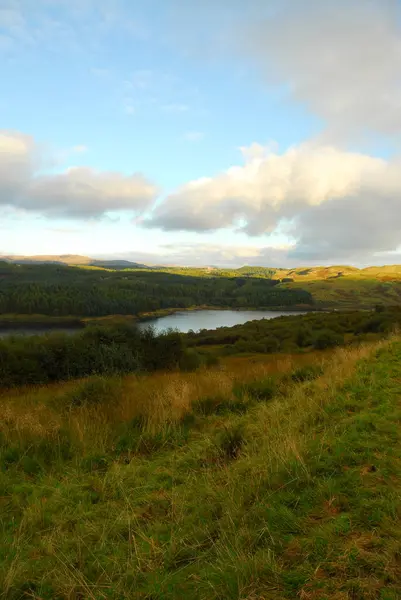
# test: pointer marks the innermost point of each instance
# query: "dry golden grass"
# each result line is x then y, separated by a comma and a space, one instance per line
224, 520
161, 398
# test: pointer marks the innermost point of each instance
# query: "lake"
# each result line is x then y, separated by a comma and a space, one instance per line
211, 319
183, 321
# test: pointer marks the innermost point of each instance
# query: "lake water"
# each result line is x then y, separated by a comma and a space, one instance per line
183, 321
211, 319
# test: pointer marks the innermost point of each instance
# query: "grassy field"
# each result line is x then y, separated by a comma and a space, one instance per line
262, 478
350, 292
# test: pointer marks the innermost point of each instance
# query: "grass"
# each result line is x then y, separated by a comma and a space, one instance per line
352, 291
166, 490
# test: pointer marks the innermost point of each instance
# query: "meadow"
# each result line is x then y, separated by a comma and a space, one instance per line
262, 477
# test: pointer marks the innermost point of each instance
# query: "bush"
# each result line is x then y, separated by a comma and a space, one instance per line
327, 339
211, 360
307, 373
96, 350
230, 441
304, 337
190, 360
260, 391
96, 390
129, 433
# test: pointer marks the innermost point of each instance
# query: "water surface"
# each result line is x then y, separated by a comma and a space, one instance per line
211, 319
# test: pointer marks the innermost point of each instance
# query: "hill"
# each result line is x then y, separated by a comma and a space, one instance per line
276, 479
93, 288
71, 259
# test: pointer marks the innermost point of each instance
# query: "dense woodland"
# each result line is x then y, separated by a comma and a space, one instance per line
72, 291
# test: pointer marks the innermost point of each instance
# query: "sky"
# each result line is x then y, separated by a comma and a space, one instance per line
222, 132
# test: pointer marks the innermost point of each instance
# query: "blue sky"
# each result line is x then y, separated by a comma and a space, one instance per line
122, 124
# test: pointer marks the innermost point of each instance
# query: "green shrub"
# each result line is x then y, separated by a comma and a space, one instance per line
306, 373
211, 360
230, 441
304, 337
327, 339
190, 360
260, 391
96, 390
133, 438
129, 434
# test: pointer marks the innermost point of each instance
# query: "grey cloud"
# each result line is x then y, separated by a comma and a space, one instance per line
78, 192
331, 203
341, 59
349, 227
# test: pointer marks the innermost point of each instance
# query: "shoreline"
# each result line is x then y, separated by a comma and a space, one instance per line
9, 321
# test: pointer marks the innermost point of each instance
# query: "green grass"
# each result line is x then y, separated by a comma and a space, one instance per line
298, 496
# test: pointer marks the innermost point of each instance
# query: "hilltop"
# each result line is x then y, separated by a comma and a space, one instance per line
70, 259
295, 273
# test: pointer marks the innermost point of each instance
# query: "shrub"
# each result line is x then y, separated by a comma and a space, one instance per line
260, 391
129, 433
304, 337
211, 360
190, 360
95, 390
306, 373
327, 339
230, 441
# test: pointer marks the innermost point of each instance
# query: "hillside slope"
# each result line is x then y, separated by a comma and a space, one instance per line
292, 493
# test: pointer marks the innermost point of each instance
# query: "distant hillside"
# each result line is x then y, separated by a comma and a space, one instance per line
297, 274
73, 259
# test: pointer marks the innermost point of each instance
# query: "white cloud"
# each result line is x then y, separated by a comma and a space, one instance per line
329, 202
77, 192
80, 148
206, 254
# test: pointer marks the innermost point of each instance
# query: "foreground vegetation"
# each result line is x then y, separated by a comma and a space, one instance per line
272, 477
119, 349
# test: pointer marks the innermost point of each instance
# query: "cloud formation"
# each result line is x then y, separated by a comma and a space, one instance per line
328, 201
341, 59
78, 192
207, 254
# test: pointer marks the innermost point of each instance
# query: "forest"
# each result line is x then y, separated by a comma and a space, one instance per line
56, 290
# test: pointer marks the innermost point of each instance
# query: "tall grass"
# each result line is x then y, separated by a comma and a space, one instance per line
252, 505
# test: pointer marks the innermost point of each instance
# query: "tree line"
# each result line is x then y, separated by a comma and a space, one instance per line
95, 350
55, 290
